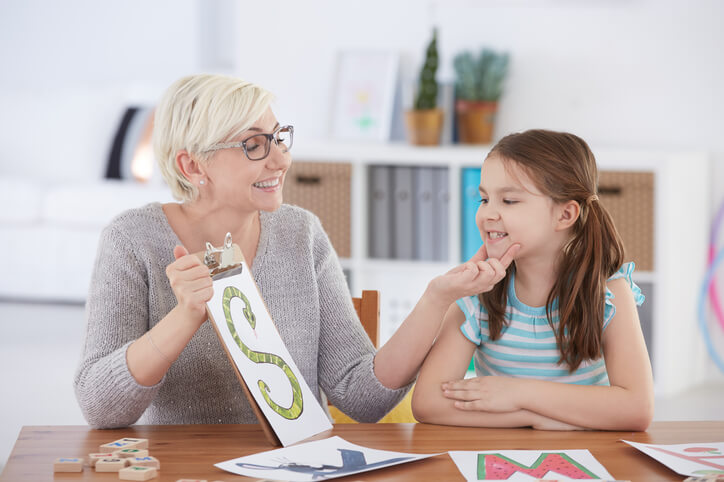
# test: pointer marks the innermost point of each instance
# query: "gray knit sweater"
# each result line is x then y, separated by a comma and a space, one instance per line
302, 283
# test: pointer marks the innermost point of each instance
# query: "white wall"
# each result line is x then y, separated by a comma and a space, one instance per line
638, 73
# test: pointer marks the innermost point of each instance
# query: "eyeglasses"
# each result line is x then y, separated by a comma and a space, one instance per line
258, 146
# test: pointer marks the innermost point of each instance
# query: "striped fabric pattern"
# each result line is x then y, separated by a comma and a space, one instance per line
527, 346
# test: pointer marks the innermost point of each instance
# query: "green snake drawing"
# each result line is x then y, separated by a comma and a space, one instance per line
295, 409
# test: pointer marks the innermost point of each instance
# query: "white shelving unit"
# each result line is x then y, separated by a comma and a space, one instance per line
681, 214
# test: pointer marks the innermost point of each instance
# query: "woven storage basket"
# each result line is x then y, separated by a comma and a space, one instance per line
324, 189
629, 198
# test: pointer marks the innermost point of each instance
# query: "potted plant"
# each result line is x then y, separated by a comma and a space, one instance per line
478, 86
424, 121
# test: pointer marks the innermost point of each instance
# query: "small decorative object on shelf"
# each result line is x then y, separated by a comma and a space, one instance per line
424, 121
478, 86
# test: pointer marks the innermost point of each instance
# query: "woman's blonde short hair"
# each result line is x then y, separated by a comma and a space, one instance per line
197, 112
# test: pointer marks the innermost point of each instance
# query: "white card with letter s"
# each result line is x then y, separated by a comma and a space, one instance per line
252, 340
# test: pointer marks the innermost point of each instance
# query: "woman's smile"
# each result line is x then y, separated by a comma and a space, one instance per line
269, 185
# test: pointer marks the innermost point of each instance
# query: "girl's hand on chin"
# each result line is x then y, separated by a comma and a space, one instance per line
479, 275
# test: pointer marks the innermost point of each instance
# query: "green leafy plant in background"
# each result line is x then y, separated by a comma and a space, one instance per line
427, 93
481, 78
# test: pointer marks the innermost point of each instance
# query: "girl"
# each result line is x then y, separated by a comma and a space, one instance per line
557, 342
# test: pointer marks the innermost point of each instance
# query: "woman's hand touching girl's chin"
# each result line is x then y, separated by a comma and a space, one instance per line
478, 275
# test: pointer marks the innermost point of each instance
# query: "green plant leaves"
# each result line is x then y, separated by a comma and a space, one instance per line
481, 78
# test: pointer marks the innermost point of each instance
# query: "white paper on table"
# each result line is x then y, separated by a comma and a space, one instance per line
529, 465
265, 338
697, 459
318, 460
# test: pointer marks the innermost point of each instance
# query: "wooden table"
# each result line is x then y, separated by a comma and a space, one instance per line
189, 451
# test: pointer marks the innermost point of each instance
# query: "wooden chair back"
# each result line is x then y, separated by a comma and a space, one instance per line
368, 310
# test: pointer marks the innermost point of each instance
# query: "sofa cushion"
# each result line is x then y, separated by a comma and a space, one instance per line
51, 233
48, 263
97, 203
22, 200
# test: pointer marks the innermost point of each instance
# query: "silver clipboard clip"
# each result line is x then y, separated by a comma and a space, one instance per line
222, 261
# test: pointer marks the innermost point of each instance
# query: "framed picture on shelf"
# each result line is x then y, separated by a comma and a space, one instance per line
364, 95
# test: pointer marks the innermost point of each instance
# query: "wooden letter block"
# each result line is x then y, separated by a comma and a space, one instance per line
95, 457
137, 443
129, 453
117, 445
110, 464
147, 461
68, 464
136, 472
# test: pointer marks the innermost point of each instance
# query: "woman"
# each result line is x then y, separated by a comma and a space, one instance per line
149, 354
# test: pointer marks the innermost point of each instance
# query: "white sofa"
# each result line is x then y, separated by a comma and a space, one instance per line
49, 232
54, 199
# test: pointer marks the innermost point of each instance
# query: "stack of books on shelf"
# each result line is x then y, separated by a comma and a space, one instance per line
408, 213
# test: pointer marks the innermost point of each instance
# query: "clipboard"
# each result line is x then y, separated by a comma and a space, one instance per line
229, 271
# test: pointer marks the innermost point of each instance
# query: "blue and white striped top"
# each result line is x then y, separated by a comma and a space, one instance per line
527, 346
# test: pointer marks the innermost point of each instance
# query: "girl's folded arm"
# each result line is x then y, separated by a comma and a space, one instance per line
627, 404
448, 360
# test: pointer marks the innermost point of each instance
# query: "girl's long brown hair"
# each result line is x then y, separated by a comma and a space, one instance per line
563, 167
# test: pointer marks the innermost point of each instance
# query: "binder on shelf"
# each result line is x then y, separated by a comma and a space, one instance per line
402, 213
282, 401
469, 202
441, 214
380, 208
423, 194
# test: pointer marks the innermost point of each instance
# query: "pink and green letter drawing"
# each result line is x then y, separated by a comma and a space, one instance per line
500, 467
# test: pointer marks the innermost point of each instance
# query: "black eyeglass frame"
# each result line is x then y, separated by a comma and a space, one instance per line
269, 139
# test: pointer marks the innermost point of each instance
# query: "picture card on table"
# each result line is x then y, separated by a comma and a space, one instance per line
529, 465
695, 459
318, 460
